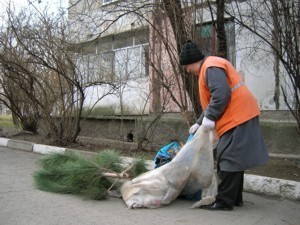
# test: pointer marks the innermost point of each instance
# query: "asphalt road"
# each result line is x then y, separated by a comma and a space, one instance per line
22, 204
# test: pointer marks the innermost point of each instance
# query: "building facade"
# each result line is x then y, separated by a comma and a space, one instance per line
124, 43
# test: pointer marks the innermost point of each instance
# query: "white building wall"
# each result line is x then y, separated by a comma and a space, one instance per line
90, 19
132, 98
255, 59
257, 69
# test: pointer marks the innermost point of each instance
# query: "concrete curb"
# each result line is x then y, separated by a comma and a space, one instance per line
252, 183
3, 142
47, 149
20, 145
272, 186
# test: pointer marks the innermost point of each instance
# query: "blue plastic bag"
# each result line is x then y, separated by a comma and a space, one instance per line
166, 154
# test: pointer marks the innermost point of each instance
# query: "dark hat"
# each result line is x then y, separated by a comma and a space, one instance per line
190, 54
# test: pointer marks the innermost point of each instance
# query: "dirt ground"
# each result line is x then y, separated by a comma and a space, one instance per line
278, 168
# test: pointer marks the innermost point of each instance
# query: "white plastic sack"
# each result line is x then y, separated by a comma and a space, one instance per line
189, 171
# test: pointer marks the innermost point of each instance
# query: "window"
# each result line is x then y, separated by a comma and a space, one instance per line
81, 67
130, 63
118, 57
106, 66
105, 2
122, 41
208, 38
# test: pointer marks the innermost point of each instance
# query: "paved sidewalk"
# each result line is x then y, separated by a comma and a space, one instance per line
252, 183
22, 204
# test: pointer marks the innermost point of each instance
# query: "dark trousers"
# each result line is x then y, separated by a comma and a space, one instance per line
230, 189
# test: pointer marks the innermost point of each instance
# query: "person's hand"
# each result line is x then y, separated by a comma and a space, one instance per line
208, 124
194, 128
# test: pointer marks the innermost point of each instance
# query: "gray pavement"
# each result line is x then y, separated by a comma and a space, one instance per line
22, 204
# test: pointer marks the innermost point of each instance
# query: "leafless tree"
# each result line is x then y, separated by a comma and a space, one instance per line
277, 25
150, 15
171, 24
96, 20
39, 76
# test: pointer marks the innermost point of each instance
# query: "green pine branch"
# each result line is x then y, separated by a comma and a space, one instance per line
71, 173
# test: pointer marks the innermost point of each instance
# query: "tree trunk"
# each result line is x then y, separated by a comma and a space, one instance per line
175, 14
220, 28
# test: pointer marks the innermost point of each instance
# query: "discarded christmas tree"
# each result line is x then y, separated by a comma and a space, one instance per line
94, 178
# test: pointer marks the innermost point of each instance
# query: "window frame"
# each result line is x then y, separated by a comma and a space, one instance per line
214, 41
107, 2
108, 71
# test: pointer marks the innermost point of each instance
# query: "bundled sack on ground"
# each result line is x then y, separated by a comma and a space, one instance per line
190, 170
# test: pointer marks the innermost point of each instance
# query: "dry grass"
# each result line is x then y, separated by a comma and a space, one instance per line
6, 121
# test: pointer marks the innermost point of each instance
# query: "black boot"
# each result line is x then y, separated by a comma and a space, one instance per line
218, 205
230, 190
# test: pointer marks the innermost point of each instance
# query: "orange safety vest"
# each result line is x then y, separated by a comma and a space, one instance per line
242, 105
